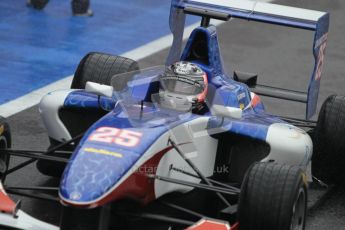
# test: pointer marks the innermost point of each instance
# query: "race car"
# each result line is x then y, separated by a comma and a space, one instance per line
184, 145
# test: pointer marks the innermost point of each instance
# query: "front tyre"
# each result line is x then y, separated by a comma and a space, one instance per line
273, 196
100, 68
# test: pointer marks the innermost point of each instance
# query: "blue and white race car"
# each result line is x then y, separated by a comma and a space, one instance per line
184, 145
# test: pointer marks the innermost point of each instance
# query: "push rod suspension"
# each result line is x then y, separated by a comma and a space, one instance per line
197, 171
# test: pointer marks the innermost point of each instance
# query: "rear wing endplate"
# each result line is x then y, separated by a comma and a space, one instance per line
261, 12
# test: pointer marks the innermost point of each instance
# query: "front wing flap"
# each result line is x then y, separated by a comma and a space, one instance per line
12, 218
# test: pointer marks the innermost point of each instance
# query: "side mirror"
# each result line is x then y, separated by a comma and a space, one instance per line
99, 89
225, 111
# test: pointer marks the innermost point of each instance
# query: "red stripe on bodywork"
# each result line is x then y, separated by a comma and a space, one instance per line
6, 203
205, 224
256, 100
137, 186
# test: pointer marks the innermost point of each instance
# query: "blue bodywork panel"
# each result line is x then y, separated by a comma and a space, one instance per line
82, 99
251, 125
214, 66
224, 90
319, 24
95, 167
319, 47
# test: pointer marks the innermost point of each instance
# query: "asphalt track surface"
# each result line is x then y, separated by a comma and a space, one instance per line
281, 56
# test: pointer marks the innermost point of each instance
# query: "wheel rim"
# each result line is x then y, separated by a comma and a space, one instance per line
299, 211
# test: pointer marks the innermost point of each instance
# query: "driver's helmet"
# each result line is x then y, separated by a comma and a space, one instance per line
183, 87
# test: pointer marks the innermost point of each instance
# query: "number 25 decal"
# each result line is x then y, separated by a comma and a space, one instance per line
122, 137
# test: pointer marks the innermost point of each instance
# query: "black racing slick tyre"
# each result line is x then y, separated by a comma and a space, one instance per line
100, 68
329, 142
5, 143
273, 197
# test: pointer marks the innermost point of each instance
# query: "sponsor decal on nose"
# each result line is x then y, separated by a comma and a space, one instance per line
103, 151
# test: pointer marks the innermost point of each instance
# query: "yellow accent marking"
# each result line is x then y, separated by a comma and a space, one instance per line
304, 178
242, 106
103, 151
2, 129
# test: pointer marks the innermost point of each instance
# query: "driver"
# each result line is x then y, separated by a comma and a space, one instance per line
183, 87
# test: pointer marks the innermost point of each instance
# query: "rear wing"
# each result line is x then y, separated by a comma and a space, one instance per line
261, 12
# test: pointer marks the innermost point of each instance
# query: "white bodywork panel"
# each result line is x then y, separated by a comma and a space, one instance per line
49, 110
266, 8
201, 151
99, 89
24, 221
226, 111
289, 145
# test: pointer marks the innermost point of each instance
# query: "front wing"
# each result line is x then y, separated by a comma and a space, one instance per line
13, 218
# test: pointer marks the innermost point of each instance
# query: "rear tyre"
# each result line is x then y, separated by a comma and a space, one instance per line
100, 68
5, 143
95, 67
329, 142
273, 196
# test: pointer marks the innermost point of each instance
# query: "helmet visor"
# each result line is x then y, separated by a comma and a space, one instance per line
181, 85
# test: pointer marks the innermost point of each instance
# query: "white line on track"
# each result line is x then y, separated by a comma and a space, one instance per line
31, 99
